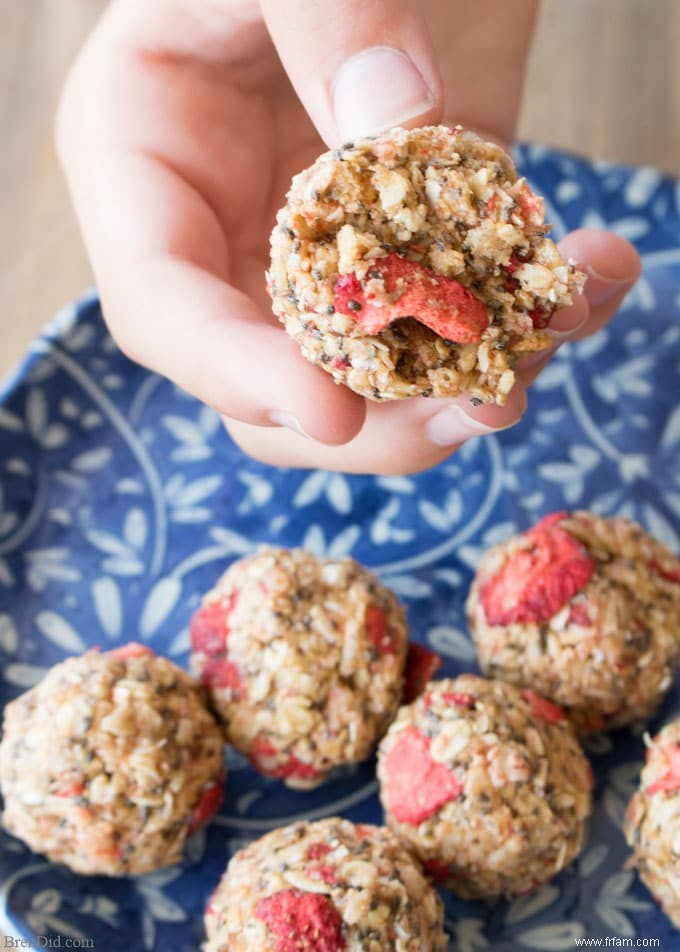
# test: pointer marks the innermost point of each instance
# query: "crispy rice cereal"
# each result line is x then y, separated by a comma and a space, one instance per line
486, 784
652, 821
416, 263
324, 887
110, 762
304, 660
585, 610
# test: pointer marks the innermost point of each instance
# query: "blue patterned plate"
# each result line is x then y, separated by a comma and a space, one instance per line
121, 499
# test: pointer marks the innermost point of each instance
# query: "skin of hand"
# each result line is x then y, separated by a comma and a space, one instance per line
179, 129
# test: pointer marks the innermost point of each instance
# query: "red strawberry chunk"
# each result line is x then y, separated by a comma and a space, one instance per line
318, 850
411, 290
457, 699
324, 873
541, 317
132, 650
536, 582
671, 575
302, 921
578, 615
294, 767
549, 520
74, 790
417, 786
530, 204
379, 634
265, 758
421, 665
544, 709
209, 803
209, 628
436, 870
671, 779
223, 674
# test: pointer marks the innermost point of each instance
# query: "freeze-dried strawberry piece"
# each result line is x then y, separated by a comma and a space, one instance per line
537, 581
541, 317
530, 204
549, 520
514, 263
417, 786
379, 634
302, 921
294, 767
671, 779
133, 650
318, 850
208, 804
421, 665
324, 873
411, 290
436, 870
223, 674
578, 615
74, 790
209, 628
458, 699
669, 574
543, 708
265, 758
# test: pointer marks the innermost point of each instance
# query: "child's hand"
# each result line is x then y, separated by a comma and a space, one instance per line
180, 130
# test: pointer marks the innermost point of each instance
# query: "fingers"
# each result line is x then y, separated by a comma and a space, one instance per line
358, 67
211, 340
161, 265
482, 48
612, 266
397, 438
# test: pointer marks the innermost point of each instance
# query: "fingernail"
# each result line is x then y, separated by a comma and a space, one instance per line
600, 288
375, 89
453, 425
563, 326
281, 418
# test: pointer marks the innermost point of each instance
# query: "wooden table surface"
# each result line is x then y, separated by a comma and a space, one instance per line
603, 80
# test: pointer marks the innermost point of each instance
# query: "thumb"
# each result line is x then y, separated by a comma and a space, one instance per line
359, 68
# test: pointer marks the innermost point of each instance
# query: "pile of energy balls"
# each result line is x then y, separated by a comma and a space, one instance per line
414, 263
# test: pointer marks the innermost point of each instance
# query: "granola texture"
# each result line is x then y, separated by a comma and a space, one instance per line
110, 762
325, 886
303, 658
431, 224
487, 785
607, 649
652, 821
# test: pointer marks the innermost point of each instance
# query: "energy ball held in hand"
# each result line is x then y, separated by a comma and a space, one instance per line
417, 263
584, 609
304, 660
111, 762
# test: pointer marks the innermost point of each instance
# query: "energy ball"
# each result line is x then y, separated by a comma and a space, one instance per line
325, 887
487, 785
652, 821
417, 264
303, 658
586, 611
111, 762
